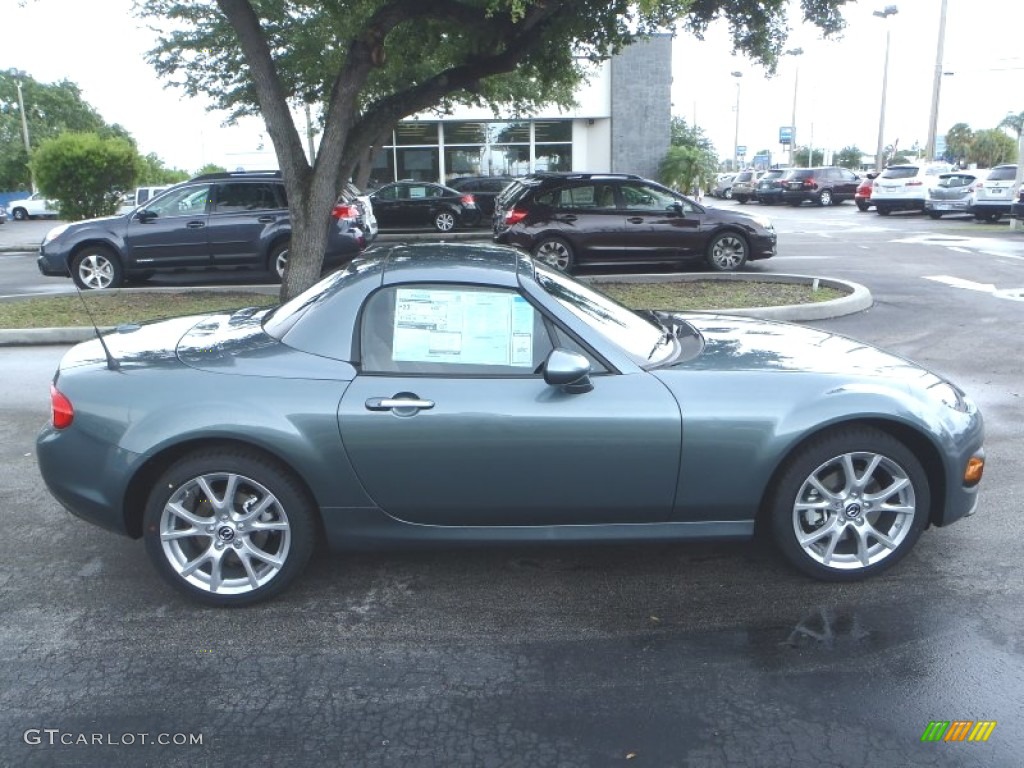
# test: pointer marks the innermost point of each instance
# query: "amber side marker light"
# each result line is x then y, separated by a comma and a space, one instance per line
62, 412
975, 468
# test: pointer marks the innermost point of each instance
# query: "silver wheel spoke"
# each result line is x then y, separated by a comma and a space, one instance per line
193, 565
259, 554
815, 536
260, 526
895, 487
257, 510
868, 473
881, 538
216, 578
826, 557
179, 511
182, 533
254, 582
817, 485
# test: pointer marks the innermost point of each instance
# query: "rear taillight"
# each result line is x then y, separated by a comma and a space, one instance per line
809, 184
344, 211
514, 216
914, 183
468, 200
61, 411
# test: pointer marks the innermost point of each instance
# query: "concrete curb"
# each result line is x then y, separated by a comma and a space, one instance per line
858, 299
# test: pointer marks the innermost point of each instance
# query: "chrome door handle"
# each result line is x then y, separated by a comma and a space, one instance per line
266, 219
389, 403
195, 225
635, 220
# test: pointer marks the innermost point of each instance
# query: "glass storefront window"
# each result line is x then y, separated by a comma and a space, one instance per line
554, 157
465, 133
416, 133
509, 161
418, 164
560, 131
463, 161
509, 133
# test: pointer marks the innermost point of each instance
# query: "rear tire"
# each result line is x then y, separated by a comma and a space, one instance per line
862, 206
277, 260
20, 214
229, 527
825, 198
935, 214
556, 253
882, 211
444, 221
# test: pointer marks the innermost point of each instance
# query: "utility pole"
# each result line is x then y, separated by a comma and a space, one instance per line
889, 10
736, 138
933, 120
24, 133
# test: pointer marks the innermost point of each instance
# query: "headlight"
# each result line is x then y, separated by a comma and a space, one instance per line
763, 221
949, 395
54, 233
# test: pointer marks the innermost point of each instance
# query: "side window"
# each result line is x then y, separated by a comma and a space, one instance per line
236, 198
848, 175
187, 201
387, 193
420, 191
452, 330
642, 197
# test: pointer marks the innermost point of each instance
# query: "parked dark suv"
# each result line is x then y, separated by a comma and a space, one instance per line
214, 220
769, 187
572, 219
822, 186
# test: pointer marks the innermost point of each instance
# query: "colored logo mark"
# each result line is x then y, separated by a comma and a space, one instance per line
958, 730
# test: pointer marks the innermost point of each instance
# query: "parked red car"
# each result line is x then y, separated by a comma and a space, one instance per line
863, 194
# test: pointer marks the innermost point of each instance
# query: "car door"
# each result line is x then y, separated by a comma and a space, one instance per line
171, 231
241, 214
422, 202
387, 206
484, 440
589, 217
659, 224
846, 184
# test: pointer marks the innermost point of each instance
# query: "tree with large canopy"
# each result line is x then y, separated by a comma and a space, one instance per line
370, 63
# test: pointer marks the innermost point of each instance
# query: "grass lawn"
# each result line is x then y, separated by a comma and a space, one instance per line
114, 308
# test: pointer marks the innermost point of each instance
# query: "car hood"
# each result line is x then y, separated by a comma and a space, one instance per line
747, 344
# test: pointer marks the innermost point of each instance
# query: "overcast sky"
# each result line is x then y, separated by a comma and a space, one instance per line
838, 96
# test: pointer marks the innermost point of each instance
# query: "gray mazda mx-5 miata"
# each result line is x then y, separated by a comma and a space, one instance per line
467, 394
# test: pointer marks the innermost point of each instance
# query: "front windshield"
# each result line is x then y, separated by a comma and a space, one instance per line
642, 339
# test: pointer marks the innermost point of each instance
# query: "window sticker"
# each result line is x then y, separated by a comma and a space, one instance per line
463, 327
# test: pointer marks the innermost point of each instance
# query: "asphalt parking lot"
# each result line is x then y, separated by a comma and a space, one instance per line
696, 655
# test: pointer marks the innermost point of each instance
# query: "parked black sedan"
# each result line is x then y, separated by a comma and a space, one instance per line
421, 203
581, 218
484, 190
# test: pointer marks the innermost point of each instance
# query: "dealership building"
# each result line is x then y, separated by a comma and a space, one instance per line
621, 124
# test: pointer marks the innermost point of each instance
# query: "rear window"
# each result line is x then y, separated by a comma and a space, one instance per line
900, 172
805, 174
745, 176
1003, 173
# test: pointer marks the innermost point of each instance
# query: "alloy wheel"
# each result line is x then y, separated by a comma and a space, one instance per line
96, 271
225, 533
854, 510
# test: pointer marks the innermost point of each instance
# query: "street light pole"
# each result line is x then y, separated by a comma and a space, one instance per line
933, 122
736, 138
792, 124
24, 134
889, 10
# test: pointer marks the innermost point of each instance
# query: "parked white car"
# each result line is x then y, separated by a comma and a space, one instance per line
32, 207
905, 187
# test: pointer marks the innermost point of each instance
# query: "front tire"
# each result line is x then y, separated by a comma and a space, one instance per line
935, 214
727, 252
95, 268
555, 252
228, 527
850, 504
20, 214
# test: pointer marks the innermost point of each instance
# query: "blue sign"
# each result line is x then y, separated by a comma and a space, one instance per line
741, 150
786, 134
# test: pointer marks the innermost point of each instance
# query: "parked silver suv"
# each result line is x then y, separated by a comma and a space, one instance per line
993, 196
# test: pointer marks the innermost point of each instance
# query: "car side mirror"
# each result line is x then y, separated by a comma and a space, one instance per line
568, 370
675, 208
144, 215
